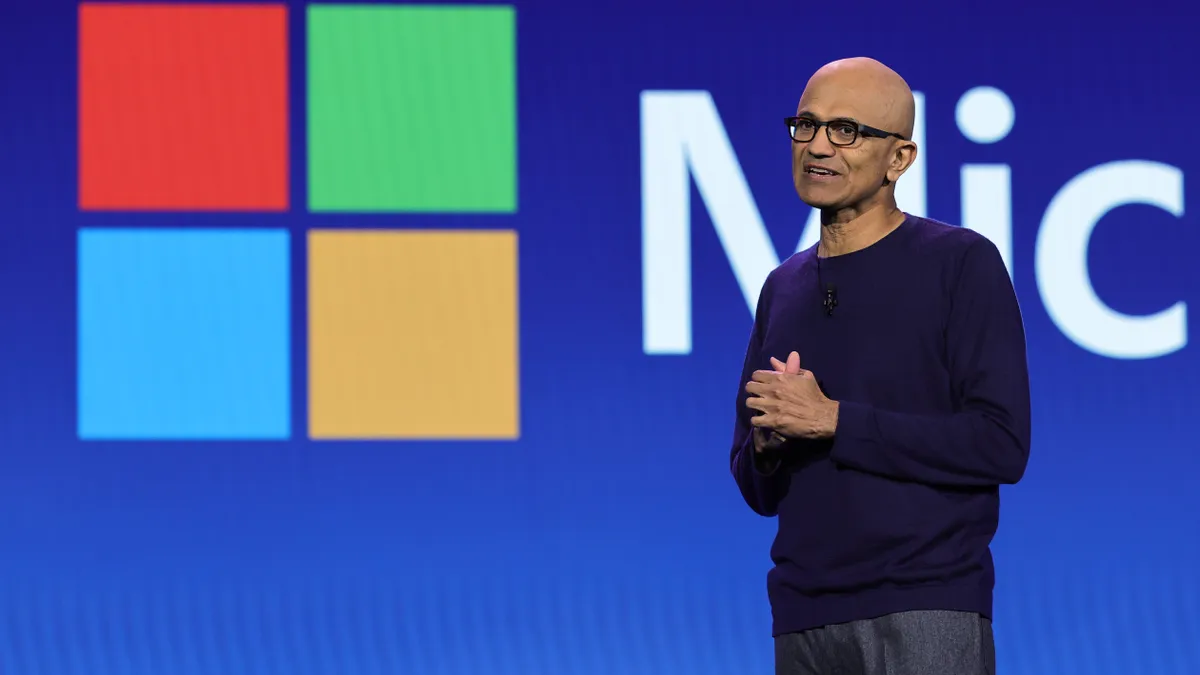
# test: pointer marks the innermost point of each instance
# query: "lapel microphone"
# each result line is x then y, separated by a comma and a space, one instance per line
830, 298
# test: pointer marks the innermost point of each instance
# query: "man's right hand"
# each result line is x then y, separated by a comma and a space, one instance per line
769, 440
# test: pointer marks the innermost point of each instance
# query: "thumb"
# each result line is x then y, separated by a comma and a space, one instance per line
778, 365
793, 363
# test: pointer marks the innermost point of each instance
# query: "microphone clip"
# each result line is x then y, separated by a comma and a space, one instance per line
830, 299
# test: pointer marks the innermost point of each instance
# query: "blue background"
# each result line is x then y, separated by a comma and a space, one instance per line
610, 538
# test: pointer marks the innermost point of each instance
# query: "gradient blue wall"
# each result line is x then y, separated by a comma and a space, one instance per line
610, 538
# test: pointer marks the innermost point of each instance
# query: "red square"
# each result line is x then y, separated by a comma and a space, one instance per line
183, 107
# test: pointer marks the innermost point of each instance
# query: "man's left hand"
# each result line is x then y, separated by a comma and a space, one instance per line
792, 404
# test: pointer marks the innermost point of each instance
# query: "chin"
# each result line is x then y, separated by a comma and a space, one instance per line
818, 198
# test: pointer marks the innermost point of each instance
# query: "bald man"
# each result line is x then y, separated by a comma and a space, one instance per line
884, 400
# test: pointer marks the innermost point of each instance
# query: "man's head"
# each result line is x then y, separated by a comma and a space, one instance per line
862, 113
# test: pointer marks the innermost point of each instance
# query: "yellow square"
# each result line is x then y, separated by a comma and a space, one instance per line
412, 334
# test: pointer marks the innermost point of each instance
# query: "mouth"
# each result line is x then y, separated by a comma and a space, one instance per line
816, 170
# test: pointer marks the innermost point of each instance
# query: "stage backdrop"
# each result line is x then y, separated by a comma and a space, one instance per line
403, 338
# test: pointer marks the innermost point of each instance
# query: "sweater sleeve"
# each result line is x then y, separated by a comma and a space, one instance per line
760, 477
986, 441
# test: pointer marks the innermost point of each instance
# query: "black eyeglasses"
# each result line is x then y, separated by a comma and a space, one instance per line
841, 132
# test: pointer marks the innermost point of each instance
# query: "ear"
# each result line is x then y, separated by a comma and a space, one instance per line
904, 153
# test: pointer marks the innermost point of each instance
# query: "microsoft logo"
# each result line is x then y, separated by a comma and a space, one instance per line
186, 332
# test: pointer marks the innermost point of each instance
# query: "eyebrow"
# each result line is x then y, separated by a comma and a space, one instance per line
808, 115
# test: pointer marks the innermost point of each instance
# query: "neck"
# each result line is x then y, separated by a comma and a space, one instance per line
843, 233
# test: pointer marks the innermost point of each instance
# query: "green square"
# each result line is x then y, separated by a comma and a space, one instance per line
412, 108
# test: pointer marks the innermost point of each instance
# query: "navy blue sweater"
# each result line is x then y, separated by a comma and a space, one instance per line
925, 353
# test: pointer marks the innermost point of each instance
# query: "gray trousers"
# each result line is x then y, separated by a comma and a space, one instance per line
906, 643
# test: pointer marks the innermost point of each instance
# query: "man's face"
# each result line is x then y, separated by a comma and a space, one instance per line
830, 175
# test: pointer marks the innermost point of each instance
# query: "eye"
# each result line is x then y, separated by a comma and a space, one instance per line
844, 131
804, 125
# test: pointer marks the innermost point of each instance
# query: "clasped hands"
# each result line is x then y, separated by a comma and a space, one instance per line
790, 405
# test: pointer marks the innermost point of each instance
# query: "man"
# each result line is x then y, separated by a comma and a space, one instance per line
884, 400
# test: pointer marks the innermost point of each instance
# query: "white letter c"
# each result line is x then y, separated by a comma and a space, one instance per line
1061, 260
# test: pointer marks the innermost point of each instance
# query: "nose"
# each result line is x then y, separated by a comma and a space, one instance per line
820, 146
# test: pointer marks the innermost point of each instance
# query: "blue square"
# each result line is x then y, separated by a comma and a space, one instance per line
184, 334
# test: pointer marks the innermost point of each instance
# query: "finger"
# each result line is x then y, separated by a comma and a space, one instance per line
758, 403
764, 376
793, 363
761, 421
778, 365
760, 388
